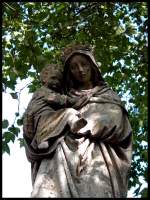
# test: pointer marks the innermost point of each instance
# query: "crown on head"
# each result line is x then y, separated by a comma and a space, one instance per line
70, 48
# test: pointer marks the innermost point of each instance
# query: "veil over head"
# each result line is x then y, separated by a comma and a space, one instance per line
87, 52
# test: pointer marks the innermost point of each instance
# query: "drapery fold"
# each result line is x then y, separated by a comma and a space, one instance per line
90, 166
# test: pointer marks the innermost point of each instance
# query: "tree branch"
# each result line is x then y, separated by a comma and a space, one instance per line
9, 6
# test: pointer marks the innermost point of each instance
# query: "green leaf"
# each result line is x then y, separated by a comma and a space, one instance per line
5, 148
20, 122
5, 123
14, 130
144, 193
17, 114
131, 100
22, 142
8, 136
14, 95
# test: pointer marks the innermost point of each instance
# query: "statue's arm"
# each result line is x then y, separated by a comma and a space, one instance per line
64, 100
107, 123
112, 129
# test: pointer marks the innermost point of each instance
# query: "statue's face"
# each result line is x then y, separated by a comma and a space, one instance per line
80, 68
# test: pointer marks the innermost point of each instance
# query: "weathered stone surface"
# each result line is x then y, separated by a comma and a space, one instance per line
96, 164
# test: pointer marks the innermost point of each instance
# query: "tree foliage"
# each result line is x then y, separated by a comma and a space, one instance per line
34, 33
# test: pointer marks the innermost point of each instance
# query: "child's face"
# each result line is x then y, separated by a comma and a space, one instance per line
54, 79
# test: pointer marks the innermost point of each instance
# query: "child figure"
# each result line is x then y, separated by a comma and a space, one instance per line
46, 101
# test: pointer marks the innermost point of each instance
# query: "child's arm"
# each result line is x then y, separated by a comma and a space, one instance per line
56, 99
53, 98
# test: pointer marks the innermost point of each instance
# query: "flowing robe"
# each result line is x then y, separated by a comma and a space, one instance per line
89, 166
